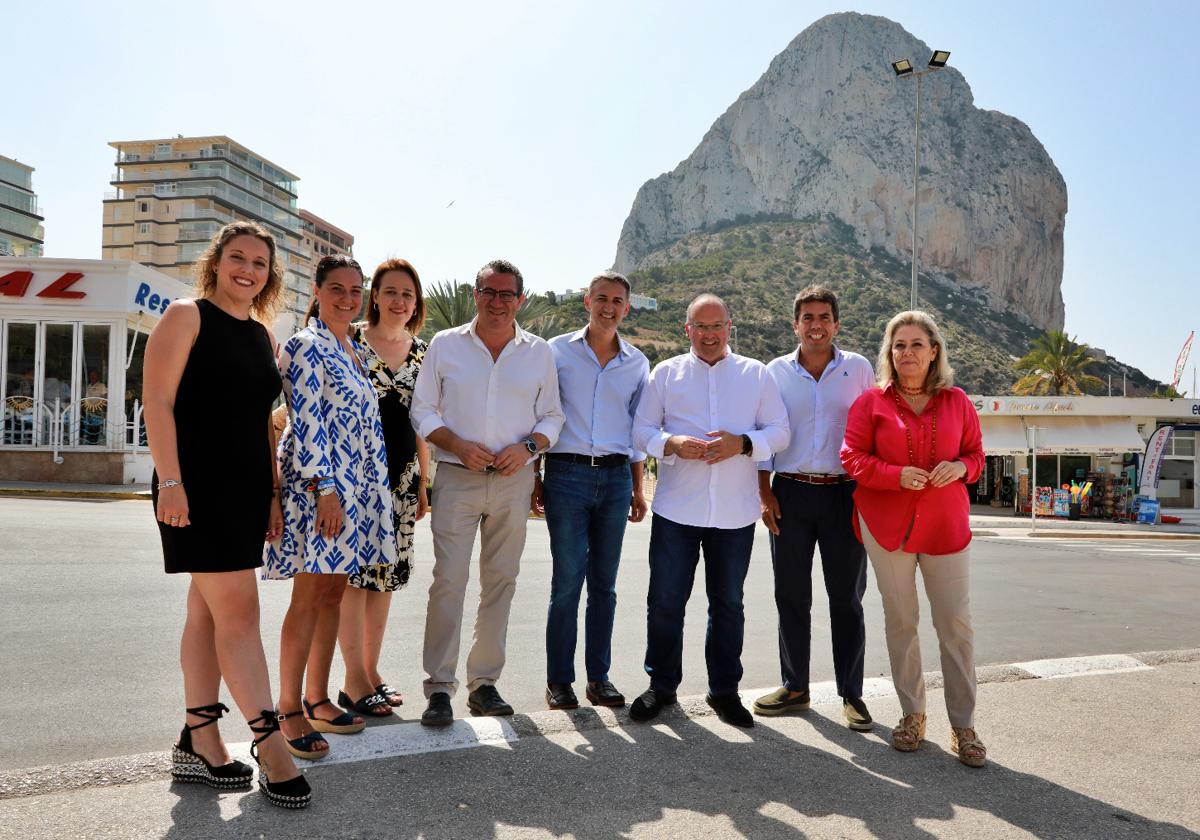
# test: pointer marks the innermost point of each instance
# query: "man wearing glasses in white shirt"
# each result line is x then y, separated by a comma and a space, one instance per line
811, 503
487, 398
708, 416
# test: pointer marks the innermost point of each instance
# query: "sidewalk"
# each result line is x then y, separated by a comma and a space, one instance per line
67, 490
991, 520
1070, 756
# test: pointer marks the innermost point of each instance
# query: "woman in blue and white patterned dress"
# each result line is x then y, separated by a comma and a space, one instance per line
337, 507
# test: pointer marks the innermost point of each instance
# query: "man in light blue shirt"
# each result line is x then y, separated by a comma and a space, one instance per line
811, 503
593, 483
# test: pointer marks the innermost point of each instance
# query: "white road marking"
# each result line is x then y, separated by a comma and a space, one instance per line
405, 739
1078, 666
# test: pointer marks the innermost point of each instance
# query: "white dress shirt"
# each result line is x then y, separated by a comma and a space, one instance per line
687, 396
494, 403
817, 410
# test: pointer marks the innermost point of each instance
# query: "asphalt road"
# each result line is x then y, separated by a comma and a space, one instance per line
90, 624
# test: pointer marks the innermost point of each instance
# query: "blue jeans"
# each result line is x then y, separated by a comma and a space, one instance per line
586, 511
674, 554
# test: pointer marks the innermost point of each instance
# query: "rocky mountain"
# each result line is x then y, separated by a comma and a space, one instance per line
827, 131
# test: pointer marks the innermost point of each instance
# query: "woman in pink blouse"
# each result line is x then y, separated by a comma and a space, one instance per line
913, 444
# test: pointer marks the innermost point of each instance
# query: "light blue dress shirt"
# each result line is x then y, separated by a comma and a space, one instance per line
599, 403
817, 410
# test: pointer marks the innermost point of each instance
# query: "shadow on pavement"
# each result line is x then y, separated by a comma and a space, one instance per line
681, 778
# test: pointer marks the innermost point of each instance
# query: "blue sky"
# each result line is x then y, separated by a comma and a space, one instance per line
540, 120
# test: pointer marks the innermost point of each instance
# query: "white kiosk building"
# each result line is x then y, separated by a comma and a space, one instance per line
72, 333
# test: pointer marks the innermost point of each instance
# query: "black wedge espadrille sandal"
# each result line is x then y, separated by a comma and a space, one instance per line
189, 766
294, 793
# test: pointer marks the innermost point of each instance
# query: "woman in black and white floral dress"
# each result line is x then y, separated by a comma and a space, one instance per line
392, 355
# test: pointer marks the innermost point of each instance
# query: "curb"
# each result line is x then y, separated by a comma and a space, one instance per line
46, 493
156, 766
1113, 535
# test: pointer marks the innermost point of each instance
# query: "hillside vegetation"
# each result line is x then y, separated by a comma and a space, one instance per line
758, 266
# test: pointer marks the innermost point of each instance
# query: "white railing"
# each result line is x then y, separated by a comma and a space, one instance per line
81, 424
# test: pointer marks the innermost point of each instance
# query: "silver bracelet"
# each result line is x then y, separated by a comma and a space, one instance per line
170, 482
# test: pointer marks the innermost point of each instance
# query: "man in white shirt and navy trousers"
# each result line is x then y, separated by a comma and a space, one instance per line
708, 416
810, 504
487, 398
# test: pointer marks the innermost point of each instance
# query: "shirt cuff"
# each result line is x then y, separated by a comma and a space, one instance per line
550, 429
657, 445
762, 448
430, 425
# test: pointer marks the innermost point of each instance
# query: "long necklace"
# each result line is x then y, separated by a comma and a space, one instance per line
912, 456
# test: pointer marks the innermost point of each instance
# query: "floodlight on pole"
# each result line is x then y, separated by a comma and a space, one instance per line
904, 67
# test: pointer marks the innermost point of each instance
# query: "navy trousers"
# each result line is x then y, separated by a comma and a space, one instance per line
819, 515
674, 555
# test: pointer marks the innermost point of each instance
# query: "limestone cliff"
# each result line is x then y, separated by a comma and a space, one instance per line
828, 130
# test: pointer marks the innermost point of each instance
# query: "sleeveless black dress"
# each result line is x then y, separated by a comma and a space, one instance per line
222, 412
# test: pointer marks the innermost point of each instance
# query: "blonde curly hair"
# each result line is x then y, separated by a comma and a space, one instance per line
270, 296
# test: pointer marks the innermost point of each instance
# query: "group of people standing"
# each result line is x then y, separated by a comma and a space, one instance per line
825, 452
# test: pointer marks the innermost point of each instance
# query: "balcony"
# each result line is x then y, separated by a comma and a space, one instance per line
269, 173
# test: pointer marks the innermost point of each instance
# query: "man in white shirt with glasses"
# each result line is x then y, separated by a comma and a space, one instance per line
487, 398
708, 416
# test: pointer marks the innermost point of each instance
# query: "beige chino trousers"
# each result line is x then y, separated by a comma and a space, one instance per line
947, 583
498, 507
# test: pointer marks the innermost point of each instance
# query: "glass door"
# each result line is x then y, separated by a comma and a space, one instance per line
18, 408
57, 384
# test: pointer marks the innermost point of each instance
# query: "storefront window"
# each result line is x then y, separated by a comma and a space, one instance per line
18, 383
133, 386
94, 379
59, 344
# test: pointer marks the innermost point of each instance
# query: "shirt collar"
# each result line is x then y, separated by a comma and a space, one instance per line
838, 358
520, 336
624, 348
728, 355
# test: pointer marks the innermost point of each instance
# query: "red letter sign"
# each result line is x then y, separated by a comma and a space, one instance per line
15, 283
59, 288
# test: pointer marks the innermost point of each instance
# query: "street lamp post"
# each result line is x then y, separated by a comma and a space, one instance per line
904, 67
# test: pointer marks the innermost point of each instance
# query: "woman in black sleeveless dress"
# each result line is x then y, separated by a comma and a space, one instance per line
209, 382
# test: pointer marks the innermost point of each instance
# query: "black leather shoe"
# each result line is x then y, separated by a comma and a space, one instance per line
729, 708
439, 711
649, 704
561, 696
604, 693
486, 700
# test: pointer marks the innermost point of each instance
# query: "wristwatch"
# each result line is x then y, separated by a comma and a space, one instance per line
747, 445
531, 445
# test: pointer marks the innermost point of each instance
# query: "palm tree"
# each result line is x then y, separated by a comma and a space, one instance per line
1056, 365
448, 305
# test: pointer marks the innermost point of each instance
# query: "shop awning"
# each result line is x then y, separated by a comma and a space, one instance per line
1003, 436
1086, 435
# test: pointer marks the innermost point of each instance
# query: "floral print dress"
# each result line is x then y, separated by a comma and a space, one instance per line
395, 389
333, 431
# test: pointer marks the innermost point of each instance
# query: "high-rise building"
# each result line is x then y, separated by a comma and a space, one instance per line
321, 238
21, 231
173, 195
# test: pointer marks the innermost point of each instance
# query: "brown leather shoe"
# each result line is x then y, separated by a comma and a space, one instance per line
561, 696
604, 693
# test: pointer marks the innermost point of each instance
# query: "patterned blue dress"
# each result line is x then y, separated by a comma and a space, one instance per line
333, 430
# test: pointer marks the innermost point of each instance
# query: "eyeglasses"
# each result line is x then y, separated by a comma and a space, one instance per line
488, 293
710, 328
